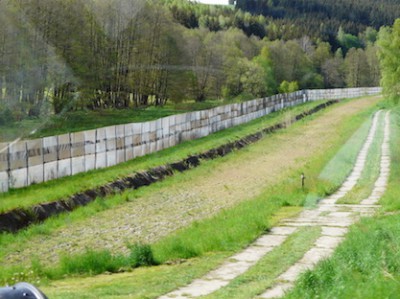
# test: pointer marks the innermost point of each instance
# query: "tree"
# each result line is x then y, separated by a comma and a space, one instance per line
357, 69
264, 61
371, 53
287, 87
389, 57
333, 71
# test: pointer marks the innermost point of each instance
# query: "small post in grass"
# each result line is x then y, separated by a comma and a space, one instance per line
303, 178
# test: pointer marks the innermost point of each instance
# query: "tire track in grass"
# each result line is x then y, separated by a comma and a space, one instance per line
335, 218
323, 247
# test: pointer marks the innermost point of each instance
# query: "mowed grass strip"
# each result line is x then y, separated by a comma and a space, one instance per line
367, 263
156, 281
64, 187
262, 276
230, 229
342, 163
146, 282
370, 172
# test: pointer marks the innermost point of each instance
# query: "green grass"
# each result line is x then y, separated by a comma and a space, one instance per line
155, 281
343, 161
146, 282
367, 263
262, 276
61, 188
370, 172
236, 227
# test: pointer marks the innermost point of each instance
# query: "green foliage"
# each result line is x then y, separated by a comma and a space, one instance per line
321, 19
288, 87
91, 262
366, 265
347, 41
5, 116
141, 255
389, 57
95, 55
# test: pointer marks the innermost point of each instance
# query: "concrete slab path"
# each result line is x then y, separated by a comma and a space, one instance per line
334, 221
333, 218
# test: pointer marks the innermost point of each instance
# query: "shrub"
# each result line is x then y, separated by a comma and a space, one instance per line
141, 255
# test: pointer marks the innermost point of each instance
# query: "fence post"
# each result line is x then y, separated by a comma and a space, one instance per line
9, 166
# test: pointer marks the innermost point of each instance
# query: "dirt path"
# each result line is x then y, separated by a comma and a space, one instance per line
237, 177
333, 220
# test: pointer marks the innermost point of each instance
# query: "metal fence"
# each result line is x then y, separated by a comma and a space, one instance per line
27, 162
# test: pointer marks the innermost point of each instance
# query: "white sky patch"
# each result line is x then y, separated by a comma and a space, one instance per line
216, 2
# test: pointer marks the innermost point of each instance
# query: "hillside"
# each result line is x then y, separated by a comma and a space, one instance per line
324, 17
63, 56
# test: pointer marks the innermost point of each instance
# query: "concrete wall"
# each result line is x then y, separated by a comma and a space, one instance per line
29, 162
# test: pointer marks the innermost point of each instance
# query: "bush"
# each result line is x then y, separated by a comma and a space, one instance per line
141, 255
6, 116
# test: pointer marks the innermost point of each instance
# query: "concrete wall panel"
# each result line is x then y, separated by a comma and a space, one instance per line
120, 137
78, 147
35, 174
111, 144
101, 141
90, 142
64, 147
18, 178
121, 156
18, 155
111, 158
90, 162
3, 157
35, 153
101, 160
64, 168
138, 151
78, 164
50, 171
3, 181
129, 130
50, 149
120, 144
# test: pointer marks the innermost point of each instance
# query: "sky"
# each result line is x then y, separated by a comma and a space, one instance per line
220, 2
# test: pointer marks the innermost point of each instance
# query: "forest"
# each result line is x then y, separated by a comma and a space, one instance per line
63, 55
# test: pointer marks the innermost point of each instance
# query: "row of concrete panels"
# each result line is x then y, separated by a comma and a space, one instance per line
49, 149
34, 161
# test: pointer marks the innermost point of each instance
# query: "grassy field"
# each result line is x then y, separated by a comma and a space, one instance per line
367, 264
238, 225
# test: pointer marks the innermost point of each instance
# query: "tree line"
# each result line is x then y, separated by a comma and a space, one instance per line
58, 55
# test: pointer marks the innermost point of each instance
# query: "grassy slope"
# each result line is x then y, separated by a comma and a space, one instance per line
367, 264
75, 121
109, 288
